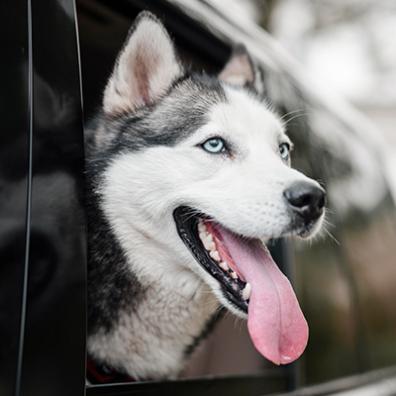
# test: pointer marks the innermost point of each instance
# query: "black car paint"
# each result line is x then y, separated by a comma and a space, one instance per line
42, 244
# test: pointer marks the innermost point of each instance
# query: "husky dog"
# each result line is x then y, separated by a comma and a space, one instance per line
188, 177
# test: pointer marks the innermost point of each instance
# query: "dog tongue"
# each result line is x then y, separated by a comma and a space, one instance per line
276, 324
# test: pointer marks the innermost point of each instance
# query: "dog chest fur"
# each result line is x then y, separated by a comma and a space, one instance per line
151, 341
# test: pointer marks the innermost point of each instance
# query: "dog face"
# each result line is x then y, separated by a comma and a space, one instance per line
198, 176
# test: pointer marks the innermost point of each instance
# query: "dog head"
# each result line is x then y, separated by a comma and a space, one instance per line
198, 178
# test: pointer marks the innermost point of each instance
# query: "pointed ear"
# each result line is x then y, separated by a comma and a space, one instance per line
240, 70
145, 68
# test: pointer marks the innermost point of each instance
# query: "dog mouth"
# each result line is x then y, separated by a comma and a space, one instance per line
203, 239
250, 281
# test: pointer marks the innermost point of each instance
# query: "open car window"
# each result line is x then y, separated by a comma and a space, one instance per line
344, 279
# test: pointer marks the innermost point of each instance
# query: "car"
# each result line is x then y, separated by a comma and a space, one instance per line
57, 56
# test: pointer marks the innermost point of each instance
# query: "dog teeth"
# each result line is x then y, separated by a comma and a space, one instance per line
202, 236
209, 244
201, 227
233, 275
215, 255
207, 240
247, 291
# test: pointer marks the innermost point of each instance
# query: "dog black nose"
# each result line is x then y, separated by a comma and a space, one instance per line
306, 199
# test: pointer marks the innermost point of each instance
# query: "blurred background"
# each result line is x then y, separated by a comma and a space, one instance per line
330, 71
347, 280
346, 45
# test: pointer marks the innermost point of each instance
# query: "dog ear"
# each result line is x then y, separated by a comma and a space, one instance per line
240, 70
145, 68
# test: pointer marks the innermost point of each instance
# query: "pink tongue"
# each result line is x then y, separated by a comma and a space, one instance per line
276, 324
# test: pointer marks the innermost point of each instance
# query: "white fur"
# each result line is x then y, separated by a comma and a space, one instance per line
244, 193
140, 192
151, 342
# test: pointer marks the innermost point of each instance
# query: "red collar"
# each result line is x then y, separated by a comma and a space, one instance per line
101, 374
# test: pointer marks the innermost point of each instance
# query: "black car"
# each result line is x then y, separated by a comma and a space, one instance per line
57, 56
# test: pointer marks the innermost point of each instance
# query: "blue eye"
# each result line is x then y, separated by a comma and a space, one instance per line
214, 145
284, 151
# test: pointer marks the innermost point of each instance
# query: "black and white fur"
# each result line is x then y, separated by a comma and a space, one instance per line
148, 299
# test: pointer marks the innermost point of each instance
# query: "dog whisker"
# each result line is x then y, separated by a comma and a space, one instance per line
325, 229
330, 211
332, 237
293, 118
327, 222
293, 115
298, 111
